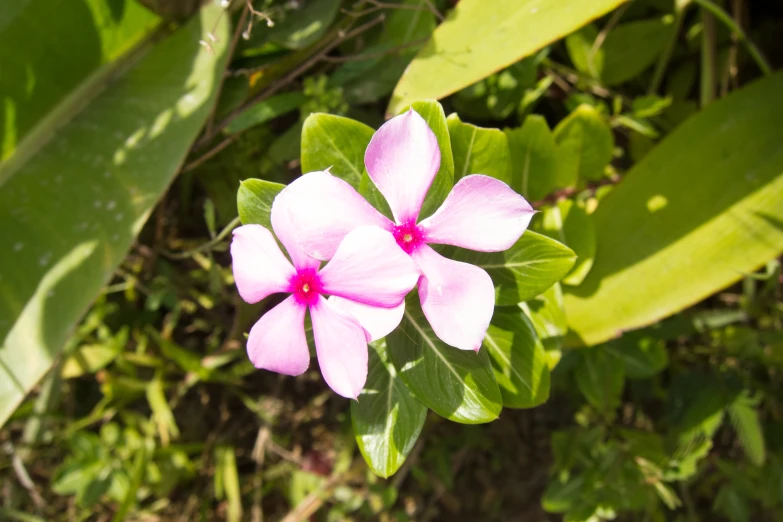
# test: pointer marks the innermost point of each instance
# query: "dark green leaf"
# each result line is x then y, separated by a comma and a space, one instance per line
518, 359
305, 25
266, 110
387, 418
546, 313
642, 357
568, 222
584, 54
458, 385
525, 270
478, 150
254, 201
631, 48
533, 159
600, 377
584, 146
745, 419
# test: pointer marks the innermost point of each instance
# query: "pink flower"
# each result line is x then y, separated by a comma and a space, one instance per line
481, 213
367, 278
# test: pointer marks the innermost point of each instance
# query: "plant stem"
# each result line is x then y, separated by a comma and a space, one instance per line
666, 55
708, 58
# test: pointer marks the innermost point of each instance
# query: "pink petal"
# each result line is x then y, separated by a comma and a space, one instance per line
260, 268
287, 234
371, 268
323, 209
341, 347
480, 213
457, 298
277, 341
377, 322
402, 160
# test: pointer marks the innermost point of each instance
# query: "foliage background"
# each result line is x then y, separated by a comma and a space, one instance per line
647, 132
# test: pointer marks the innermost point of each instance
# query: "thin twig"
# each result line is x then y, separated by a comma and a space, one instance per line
210, 153
599, 40
23, 476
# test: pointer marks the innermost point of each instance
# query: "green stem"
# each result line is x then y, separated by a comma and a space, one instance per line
732, 25
708, 58
666, 55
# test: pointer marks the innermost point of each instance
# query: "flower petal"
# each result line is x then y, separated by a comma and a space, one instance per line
260, 268
371, 268
287, 234
277, 341
378, 322
402, 160
457, 298
341, 347
323, 209
480, 213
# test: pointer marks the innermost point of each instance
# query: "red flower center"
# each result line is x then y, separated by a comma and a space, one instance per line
306, 286
408, 236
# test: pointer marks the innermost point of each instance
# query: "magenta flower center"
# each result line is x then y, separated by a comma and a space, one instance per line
408, 236
306, 286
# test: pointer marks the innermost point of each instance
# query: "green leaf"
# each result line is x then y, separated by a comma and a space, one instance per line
631, 48
227, 482
584, 146
456, 384
476, 41
568, 222
600, 377
336, 142
642, 357
525, 270
678, 228
254, 201
518, 359
745, 419
433, 114
161, 412
546, 313
649, 106
533, 159
71, 206
305, 25
387, 418
44, 77
478, 150
266, 110
586, 57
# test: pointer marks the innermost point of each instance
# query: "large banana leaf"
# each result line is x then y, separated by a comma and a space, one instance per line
73, 199
481, 37
696, 214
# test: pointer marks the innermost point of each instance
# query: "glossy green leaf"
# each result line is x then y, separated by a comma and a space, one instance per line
568, 222
456, 384
584, 146
525, 270
518, 359
587, 57
631, 48
546, 313
433, 114
600, 377
695, 215
387, 418
70, 210
533, 159
476, 41
336, 142
478, 150
254, 201
266, 110
44, 77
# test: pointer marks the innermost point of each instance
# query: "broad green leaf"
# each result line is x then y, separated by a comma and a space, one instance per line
546, 313
584, 54
631, 48
518, 359
336, 142
584, 146
600, 377
745, 419
70, 211
525, 270
266, 110
305, 25
53, 56
533, 159
387, 418
695, 215
477, 40
433, 114
478, 150
568, 222
456, 384
254, 201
